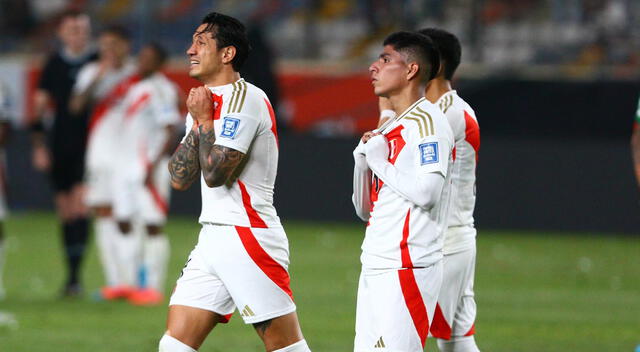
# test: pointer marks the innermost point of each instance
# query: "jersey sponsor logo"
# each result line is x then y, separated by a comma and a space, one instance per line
230, 127
428, 153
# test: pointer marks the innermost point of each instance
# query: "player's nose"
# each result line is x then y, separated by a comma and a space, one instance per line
191, 50
373, 67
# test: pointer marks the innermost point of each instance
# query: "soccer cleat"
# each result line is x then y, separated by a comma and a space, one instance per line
72, 291
146, 297
111, 293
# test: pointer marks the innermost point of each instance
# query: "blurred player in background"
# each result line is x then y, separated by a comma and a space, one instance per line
453, 323
4, 131
401, 173
100, 89
242, 254
635, 144
142, 183
63, 157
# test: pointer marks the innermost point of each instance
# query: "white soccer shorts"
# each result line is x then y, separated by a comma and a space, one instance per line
395, 307
234, 266
456, 311
150, 203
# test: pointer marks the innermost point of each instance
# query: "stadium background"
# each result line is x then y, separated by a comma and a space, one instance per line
554, 84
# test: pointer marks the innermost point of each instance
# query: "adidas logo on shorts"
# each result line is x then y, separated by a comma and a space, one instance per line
380, 343
247, 312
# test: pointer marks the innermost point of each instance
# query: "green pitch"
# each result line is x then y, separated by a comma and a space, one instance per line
535, 292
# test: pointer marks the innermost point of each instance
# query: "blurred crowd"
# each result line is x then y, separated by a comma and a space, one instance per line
586, 38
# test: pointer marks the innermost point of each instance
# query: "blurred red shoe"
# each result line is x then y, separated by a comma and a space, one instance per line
111, 293
146, 297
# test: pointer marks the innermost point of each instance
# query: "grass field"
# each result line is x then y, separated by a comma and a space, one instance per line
535, 292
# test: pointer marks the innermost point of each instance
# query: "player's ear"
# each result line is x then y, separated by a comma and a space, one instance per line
412, 70
228, 53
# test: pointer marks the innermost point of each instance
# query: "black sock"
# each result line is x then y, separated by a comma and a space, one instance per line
76, 234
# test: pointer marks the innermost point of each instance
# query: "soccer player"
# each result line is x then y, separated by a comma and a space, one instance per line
100, 88
63, 155
635, 144
453, 324
4, 130
142, 181
242, 254
401, 173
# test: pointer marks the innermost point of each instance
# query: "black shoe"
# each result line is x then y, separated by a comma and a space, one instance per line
72, 291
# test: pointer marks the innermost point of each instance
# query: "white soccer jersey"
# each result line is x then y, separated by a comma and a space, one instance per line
243, 120
106, 111
401, 234
88, 73
148, 108
461, 233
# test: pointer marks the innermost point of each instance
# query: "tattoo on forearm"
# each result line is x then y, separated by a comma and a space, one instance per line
184, 165
262, 326
218, 163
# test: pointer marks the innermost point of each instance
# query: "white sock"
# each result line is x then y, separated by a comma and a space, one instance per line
458, 344
106, 231
156, 258
129, 255
300, 346
171, 344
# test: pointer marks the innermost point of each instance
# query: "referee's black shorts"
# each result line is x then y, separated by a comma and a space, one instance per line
67, 169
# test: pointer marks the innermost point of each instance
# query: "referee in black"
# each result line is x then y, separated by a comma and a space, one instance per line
62, 153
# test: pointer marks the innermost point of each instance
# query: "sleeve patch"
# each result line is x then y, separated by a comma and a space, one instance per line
230, 127
428, 153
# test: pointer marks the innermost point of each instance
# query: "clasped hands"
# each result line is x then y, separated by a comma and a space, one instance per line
373, 146
200, 106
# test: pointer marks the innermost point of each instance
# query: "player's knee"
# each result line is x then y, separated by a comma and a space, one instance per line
102, 211
458, 344
154, 230
124, 226
300, 346
171, 344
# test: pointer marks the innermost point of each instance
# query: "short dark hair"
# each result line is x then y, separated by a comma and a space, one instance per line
228, 31
72, 13
159, 50
449, 48
118, 31
417, 47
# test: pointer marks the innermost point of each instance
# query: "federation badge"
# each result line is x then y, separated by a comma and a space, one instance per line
428, 153
230, 127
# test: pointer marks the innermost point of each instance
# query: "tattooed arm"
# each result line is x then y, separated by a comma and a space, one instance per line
184, 165
218, 162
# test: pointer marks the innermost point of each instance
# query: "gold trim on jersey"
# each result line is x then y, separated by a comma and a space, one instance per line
446, 103
244, 95
433, 131
420, 128
233, 96
383, 129
238, 96
421, 117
